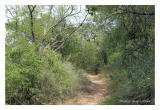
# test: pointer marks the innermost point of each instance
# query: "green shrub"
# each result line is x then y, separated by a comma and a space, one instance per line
33, 78
22, 74
134, 84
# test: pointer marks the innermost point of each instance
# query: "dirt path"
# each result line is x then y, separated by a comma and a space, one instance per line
95, 92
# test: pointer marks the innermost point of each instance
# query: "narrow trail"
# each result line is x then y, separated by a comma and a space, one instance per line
96, 92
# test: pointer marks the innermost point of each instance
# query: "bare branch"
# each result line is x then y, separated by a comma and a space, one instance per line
77, 12
9, 11
54, 42
55, 25
70, 35
61, 32
49, 16
59, 47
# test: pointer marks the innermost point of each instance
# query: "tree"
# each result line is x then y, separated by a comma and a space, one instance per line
31, 10
129, 42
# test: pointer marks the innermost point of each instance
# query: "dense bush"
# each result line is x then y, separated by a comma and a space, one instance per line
83, 54
131, 73
33, 78
22, 73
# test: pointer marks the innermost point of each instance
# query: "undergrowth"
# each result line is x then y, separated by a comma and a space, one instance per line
131, 85
33, 78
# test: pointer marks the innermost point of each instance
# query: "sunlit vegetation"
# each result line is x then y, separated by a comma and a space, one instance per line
51, 49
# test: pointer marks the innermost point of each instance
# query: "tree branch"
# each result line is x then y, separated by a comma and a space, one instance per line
49, 16
9, 11
55, 25
31, 18
138, 13
70, 35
